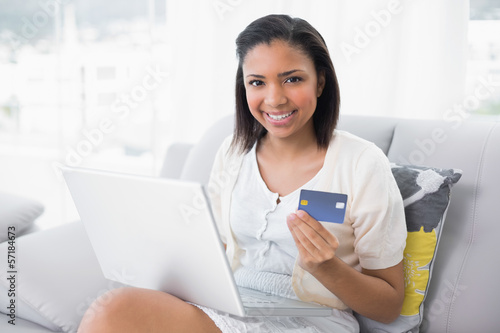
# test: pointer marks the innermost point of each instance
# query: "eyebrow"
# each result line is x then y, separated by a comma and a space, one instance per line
279, 75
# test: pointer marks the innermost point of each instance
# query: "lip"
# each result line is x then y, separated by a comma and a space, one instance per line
279, 122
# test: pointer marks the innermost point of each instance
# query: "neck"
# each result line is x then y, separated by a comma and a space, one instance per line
290, 147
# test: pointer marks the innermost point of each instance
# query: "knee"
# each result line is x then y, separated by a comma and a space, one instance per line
108, 311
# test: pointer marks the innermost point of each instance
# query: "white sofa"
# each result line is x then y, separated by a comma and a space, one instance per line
59, 275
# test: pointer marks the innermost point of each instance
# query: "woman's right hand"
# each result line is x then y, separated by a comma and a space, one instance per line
316, 245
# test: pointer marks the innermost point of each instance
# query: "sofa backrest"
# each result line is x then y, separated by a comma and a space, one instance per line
378, 130
463, 295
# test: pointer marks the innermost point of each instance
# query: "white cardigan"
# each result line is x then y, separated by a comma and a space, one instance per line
373, 234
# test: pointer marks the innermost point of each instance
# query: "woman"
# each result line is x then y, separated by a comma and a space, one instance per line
287, 105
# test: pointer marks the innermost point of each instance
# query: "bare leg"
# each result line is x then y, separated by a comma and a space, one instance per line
141, 310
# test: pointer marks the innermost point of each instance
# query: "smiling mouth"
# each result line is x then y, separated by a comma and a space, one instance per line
281, 116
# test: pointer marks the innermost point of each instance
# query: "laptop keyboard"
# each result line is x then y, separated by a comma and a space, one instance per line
259, 303
252, 297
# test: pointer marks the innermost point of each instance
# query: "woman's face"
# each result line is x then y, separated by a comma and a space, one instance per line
282, 88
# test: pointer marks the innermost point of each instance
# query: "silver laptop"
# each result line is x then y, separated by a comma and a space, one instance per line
160, 234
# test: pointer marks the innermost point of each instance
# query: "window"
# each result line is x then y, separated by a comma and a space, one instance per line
79, 86
483, 68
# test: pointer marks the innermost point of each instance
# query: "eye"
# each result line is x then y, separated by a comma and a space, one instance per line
293, 79
256, 83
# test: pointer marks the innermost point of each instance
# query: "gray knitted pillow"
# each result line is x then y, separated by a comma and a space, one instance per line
426, 196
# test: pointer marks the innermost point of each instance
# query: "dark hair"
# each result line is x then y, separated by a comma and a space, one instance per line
298, 33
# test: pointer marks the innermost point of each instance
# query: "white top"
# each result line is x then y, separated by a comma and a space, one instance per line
259, 226
372, 236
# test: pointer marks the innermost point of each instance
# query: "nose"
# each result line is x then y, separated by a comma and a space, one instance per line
275, 96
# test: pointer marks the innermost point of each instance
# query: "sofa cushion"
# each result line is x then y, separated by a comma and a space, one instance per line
17, 214
58, 277
426, 194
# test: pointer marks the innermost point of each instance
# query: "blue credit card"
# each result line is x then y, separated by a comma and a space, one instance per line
324, 206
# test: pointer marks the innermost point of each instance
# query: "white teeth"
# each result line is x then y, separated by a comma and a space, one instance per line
280, 117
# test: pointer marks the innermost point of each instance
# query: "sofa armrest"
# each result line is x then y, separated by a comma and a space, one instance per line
175, 158
22, 326
199, 162
59, 277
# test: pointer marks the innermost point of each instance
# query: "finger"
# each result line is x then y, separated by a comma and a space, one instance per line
299, 239
308, 237
318, 227
310, 256
309, 220
304, 256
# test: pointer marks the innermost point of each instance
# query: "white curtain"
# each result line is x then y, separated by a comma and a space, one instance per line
412, 65
393, 58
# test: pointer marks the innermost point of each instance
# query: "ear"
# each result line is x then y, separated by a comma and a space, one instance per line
321, 83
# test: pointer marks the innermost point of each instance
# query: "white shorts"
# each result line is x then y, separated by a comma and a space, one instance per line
338, 322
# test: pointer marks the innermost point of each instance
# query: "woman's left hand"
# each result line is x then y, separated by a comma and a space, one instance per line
316, 244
